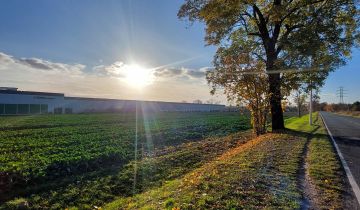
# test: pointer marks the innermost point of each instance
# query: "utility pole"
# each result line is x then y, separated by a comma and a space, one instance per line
310, 104
341, 92
311, 95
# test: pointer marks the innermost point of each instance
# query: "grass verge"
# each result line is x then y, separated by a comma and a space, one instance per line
323, 169
262, 173
258, 174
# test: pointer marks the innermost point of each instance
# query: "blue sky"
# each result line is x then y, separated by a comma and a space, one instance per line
91, 31
347, 76
90, 35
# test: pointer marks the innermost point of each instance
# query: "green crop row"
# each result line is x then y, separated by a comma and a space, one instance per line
35, 149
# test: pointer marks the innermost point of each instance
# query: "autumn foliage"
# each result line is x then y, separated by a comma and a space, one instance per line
242, 80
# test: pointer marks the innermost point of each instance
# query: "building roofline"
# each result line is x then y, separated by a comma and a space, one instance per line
30, 93
12, 91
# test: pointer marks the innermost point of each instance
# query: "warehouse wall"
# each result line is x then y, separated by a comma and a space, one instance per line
19, 103
36, 104
80, 105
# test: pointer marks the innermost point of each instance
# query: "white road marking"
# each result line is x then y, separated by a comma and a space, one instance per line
349, 175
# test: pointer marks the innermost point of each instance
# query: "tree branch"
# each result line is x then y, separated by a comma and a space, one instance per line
286, 34
261, 25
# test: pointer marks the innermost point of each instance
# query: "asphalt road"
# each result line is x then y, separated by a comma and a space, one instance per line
346, 131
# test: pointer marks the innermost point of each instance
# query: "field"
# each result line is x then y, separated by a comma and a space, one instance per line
166, 161
57, 161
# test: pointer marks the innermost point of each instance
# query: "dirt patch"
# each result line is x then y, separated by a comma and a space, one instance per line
309, 193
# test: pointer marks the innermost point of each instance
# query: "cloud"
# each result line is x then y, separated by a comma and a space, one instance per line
118, 69
35, 63
196, 74
184, 73
5, 59
106, 81
169, 72
41, 64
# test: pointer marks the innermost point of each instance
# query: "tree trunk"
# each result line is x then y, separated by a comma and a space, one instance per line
277, 118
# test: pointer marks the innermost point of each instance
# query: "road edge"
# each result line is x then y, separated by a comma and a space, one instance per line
349, 175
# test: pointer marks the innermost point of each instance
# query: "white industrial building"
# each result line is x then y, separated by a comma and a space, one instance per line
15, 102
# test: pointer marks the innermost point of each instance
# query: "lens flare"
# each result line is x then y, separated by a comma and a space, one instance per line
138, 76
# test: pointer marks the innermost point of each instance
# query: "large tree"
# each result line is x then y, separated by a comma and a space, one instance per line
283, 34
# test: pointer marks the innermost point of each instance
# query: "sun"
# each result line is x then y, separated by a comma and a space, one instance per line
138, 76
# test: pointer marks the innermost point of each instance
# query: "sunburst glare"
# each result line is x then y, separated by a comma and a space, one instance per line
138, 76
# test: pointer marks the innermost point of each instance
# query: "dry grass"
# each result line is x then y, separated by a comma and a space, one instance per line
258, 174
262, 173
349, 113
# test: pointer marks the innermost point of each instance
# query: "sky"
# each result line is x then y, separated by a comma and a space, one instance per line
84, 48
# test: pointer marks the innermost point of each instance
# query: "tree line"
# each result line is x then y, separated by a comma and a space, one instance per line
340, 107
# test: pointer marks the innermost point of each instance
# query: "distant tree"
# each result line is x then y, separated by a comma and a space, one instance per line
282, 34
355, 106
322, 106
197, 101
300, 99
337, 107
183, 101
316, 100
284, 105
329, 108
212, 101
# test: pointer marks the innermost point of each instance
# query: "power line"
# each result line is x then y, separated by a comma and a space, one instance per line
341, 92
290, 70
